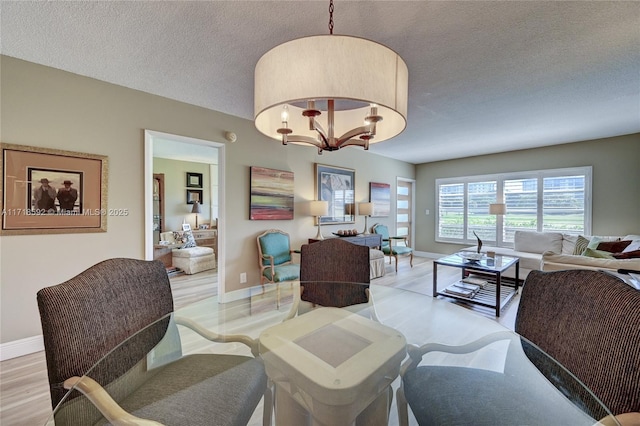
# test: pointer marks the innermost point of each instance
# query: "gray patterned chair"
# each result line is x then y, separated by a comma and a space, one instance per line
335, 273
87, 317
590, 322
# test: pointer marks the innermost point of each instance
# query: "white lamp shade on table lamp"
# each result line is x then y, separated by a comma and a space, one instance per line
365, 209
319, 208
498, 208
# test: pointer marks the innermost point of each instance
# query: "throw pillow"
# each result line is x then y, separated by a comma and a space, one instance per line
635, 245
190, 241
635, 254
597, 254
594, 241
581, 245
613, 246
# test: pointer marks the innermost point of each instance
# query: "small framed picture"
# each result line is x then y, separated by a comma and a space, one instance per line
186, 227
194, 195
194, 180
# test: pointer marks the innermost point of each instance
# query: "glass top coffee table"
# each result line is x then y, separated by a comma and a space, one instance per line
485, 290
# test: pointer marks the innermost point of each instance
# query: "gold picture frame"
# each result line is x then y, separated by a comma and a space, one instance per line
50, 191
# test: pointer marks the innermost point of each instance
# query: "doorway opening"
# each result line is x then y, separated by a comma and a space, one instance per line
177, 169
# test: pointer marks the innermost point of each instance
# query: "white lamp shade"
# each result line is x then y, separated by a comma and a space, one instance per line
337, 67
318, 208
498, 208
365, 209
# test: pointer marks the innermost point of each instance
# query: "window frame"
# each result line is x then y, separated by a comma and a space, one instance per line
500, 178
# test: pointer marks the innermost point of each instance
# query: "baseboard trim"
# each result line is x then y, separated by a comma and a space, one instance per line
428, 254
21, 347
232, 296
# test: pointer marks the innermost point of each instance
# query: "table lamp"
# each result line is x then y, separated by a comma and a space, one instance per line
366, 210
318, 209
196, 209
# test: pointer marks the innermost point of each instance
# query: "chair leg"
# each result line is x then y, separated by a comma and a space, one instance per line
403, 414
411, 259
396, 258
267, 413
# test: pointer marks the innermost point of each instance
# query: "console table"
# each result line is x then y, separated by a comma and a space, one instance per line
369, 240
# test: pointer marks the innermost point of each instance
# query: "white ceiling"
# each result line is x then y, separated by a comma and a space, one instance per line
484, 77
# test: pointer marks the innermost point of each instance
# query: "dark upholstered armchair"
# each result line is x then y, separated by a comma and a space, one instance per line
390, 246
590, 322
335, 273
86, 319
275, 257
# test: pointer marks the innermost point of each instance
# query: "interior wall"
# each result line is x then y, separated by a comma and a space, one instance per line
176, 209
615, 190
50, 108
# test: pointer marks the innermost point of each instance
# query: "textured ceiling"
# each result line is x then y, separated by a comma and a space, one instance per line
484, 77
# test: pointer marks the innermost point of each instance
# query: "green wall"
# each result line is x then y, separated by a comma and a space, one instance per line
616, 182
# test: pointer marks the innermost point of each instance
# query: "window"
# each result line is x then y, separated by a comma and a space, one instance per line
546, 200
404, 209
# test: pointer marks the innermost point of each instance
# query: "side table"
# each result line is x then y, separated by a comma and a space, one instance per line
334, 366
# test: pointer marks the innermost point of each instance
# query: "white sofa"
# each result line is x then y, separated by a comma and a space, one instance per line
553, 251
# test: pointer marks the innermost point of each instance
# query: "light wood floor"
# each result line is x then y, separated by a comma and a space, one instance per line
24, 394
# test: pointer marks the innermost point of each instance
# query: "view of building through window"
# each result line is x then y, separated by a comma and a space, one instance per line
545, 200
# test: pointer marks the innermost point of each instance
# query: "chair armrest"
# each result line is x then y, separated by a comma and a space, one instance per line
110, 409
416, 353
220, 338
295, 305
624, 419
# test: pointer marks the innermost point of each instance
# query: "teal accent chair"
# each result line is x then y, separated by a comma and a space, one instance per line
390, 245
275, 257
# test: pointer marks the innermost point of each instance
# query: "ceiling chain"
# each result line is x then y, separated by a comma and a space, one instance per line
330, 16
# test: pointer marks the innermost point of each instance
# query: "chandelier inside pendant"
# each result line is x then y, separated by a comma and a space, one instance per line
326, 139
331, 91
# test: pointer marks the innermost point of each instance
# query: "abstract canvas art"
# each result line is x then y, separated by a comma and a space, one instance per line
271, 194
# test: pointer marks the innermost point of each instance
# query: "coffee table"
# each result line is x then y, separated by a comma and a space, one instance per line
495, 294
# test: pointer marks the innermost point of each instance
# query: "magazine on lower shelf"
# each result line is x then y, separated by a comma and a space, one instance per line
456, 290
476, 281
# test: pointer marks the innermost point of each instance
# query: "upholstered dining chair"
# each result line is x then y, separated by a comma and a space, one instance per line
89, 316
590, 322
390, 247
586, 320
335, 273
275, 257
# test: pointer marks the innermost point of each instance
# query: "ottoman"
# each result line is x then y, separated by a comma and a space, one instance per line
194, 259
376, 263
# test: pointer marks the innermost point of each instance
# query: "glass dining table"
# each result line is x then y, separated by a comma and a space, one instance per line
343, 366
